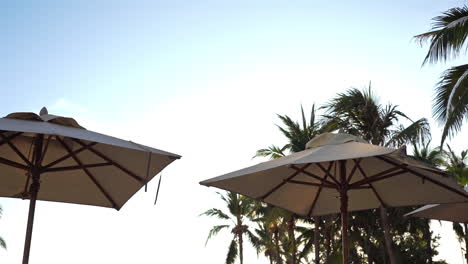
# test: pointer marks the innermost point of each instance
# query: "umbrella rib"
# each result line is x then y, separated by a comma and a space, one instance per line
379, 178
425, 177
90, 175
380, 175
313, 176
319, 190
9, 137
356, 164
131, 174
371, 186
79, 167
441, 173
69, 155
312, 184
15, 149
327, 172
13, 164
284, 181
45, 149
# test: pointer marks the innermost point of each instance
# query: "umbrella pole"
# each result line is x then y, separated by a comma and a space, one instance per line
33, 190
32, 207
344, 211
465, 225
344, 226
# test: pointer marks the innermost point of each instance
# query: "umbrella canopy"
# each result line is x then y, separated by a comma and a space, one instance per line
341, 173
53, 158
453, 212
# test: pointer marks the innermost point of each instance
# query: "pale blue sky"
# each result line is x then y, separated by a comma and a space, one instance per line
203, 79
125, 51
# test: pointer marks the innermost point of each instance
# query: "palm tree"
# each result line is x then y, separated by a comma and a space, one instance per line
435, 158
298, 134
240, 208
457, 166
265, 242
271, 226
447, 39
358, 112
2, 241
424, 153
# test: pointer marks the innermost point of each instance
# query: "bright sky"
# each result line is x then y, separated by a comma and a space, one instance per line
204, 79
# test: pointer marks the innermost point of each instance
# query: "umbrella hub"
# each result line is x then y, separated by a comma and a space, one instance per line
44, 116
332, 139
43, 111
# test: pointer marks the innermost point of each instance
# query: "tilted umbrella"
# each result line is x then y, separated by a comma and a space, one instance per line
53, 158
338, 173
453, 212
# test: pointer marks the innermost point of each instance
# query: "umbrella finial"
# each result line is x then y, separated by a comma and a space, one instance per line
43, 111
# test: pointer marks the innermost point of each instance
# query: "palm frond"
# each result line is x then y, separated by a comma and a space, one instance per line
255, 241
457, 227
447, 36
434, 157
456, 117
450, 106
417, 132
216, 213
3, 243
214, 231
304, 121
232, 252
306, 249
273, 152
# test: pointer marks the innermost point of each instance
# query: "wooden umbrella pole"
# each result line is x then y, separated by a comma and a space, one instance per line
465, 225
33, 190
344, 211
344, 226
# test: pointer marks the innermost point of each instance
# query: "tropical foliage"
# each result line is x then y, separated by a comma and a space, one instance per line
2, 241
358, 112
240, 209
285, 238
447, 40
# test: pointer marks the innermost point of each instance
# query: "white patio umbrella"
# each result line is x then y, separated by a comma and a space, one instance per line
53, 158
338, 173
453, 212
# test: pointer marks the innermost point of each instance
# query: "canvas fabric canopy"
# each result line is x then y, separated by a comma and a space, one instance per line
453, 212
78, 165
308, 182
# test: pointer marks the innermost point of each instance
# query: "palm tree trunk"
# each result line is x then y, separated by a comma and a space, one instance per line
428, 237
327, 238
241, 250
277, 247
316, 240
387, 236
466, 241
291, 226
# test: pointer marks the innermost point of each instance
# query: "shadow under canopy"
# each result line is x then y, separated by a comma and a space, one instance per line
338, 173
53, 158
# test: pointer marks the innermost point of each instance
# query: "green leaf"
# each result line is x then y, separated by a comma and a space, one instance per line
214, 231
232, 252
447, 36
216, 213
